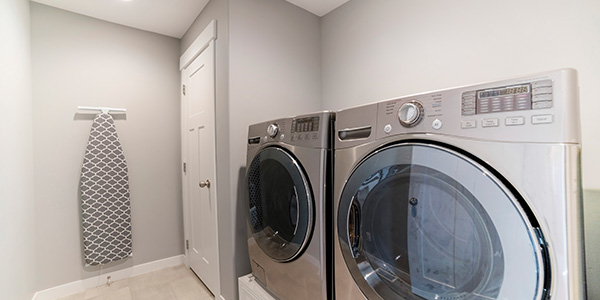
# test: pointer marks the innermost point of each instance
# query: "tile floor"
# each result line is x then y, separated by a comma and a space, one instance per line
174, 283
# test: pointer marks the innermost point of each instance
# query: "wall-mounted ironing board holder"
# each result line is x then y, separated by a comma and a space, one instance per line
105, 110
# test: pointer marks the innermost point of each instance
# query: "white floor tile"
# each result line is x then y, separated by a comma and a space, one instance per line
173, 283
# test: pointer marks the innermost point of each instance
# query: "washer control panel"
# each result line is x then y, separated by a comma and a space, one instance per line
306, 130
422, 112
534, 95
542, 107
410, 113
518, 100
272, 130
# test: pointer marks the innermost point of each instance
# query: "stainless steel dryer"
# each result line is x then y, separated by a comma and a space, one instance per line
466, 193
289, 195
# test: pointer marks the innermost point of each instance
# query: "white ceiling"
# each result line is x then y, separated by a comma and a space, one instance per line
168, 17
318, 7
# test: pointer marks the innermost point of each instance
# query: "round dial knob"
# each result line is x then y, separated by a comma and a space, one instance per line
410, 113
272, 130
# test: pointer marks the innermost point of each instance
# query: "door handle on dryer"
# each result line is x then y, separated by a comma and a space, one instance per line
203, 184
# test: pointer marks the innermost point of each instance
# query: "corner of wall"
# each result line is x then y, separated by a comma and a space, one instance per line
17, 203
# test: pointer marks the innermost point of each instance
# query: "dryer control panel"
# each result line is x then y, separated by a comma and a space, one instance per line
538, 108
307, 131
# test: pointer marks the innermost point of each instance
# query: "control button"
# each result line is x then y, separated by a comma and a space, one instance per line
387, 128
522, 99
272, 130
489, 123
281, 137
466, 112
542, 90
410, 113
512, 121
541, 104
508, 103
437, 124
315, 135
541, 84
266, 138
468, 123
544, 97
483, 106
469, 93
541, 119
496, 104
523, 102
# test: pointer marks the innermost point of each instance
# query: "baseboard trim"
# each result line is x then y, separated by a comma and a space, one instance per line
88, 283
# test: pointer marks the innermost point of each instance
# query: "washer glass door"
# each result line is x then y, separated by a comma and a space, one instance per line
419, 221
280, 204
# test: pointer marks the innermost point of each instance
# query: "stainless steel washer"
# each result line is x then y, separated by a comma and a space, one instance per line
289, 197
466, 193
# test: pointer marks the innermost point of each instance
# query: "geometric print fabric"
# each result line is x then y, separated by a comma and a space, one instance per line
105, 206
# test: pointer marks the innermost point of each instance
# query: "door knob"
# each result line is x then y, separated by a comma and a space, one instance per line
204, 183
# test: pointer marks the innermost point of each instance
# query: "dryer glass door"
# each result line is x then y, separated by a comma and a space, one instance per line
418, 221
280, 204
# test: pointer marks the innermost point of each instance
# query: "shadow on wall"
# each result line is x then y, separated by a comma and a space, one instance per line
242, 263
91, 116
591, 211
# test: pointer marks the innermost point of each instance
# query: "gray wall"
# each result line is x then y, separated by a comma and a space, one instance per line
274, 72
379, 49
17, 219
79, 60
271, 69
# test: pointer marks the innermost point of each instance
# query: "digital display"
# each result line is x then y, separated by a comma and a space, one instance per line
307, 124
521, 89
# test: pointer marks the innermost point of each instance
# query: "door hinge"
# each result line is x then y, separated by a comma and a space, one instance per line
184, 89
187, 244
184, 168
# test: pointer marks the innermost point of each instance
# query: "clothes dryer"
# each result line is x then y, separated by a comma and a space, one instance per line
289, 198
465, 193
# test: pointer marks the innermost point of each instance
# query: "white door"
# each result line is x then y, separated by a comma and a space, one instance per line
199, 155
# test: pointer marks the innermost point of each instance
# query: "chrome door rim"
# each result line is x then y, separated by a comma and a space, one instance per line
309, 202
533, 232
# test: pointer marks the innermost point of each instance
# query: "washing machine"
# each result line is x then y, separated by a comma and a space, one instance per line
289, 188
465, 193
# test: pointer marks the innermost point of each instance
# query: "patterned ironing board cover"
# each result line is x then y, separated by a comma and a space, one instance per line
106, 210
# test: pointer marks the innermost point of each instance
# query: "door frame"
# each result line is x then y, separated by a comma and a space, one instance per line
208, 35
